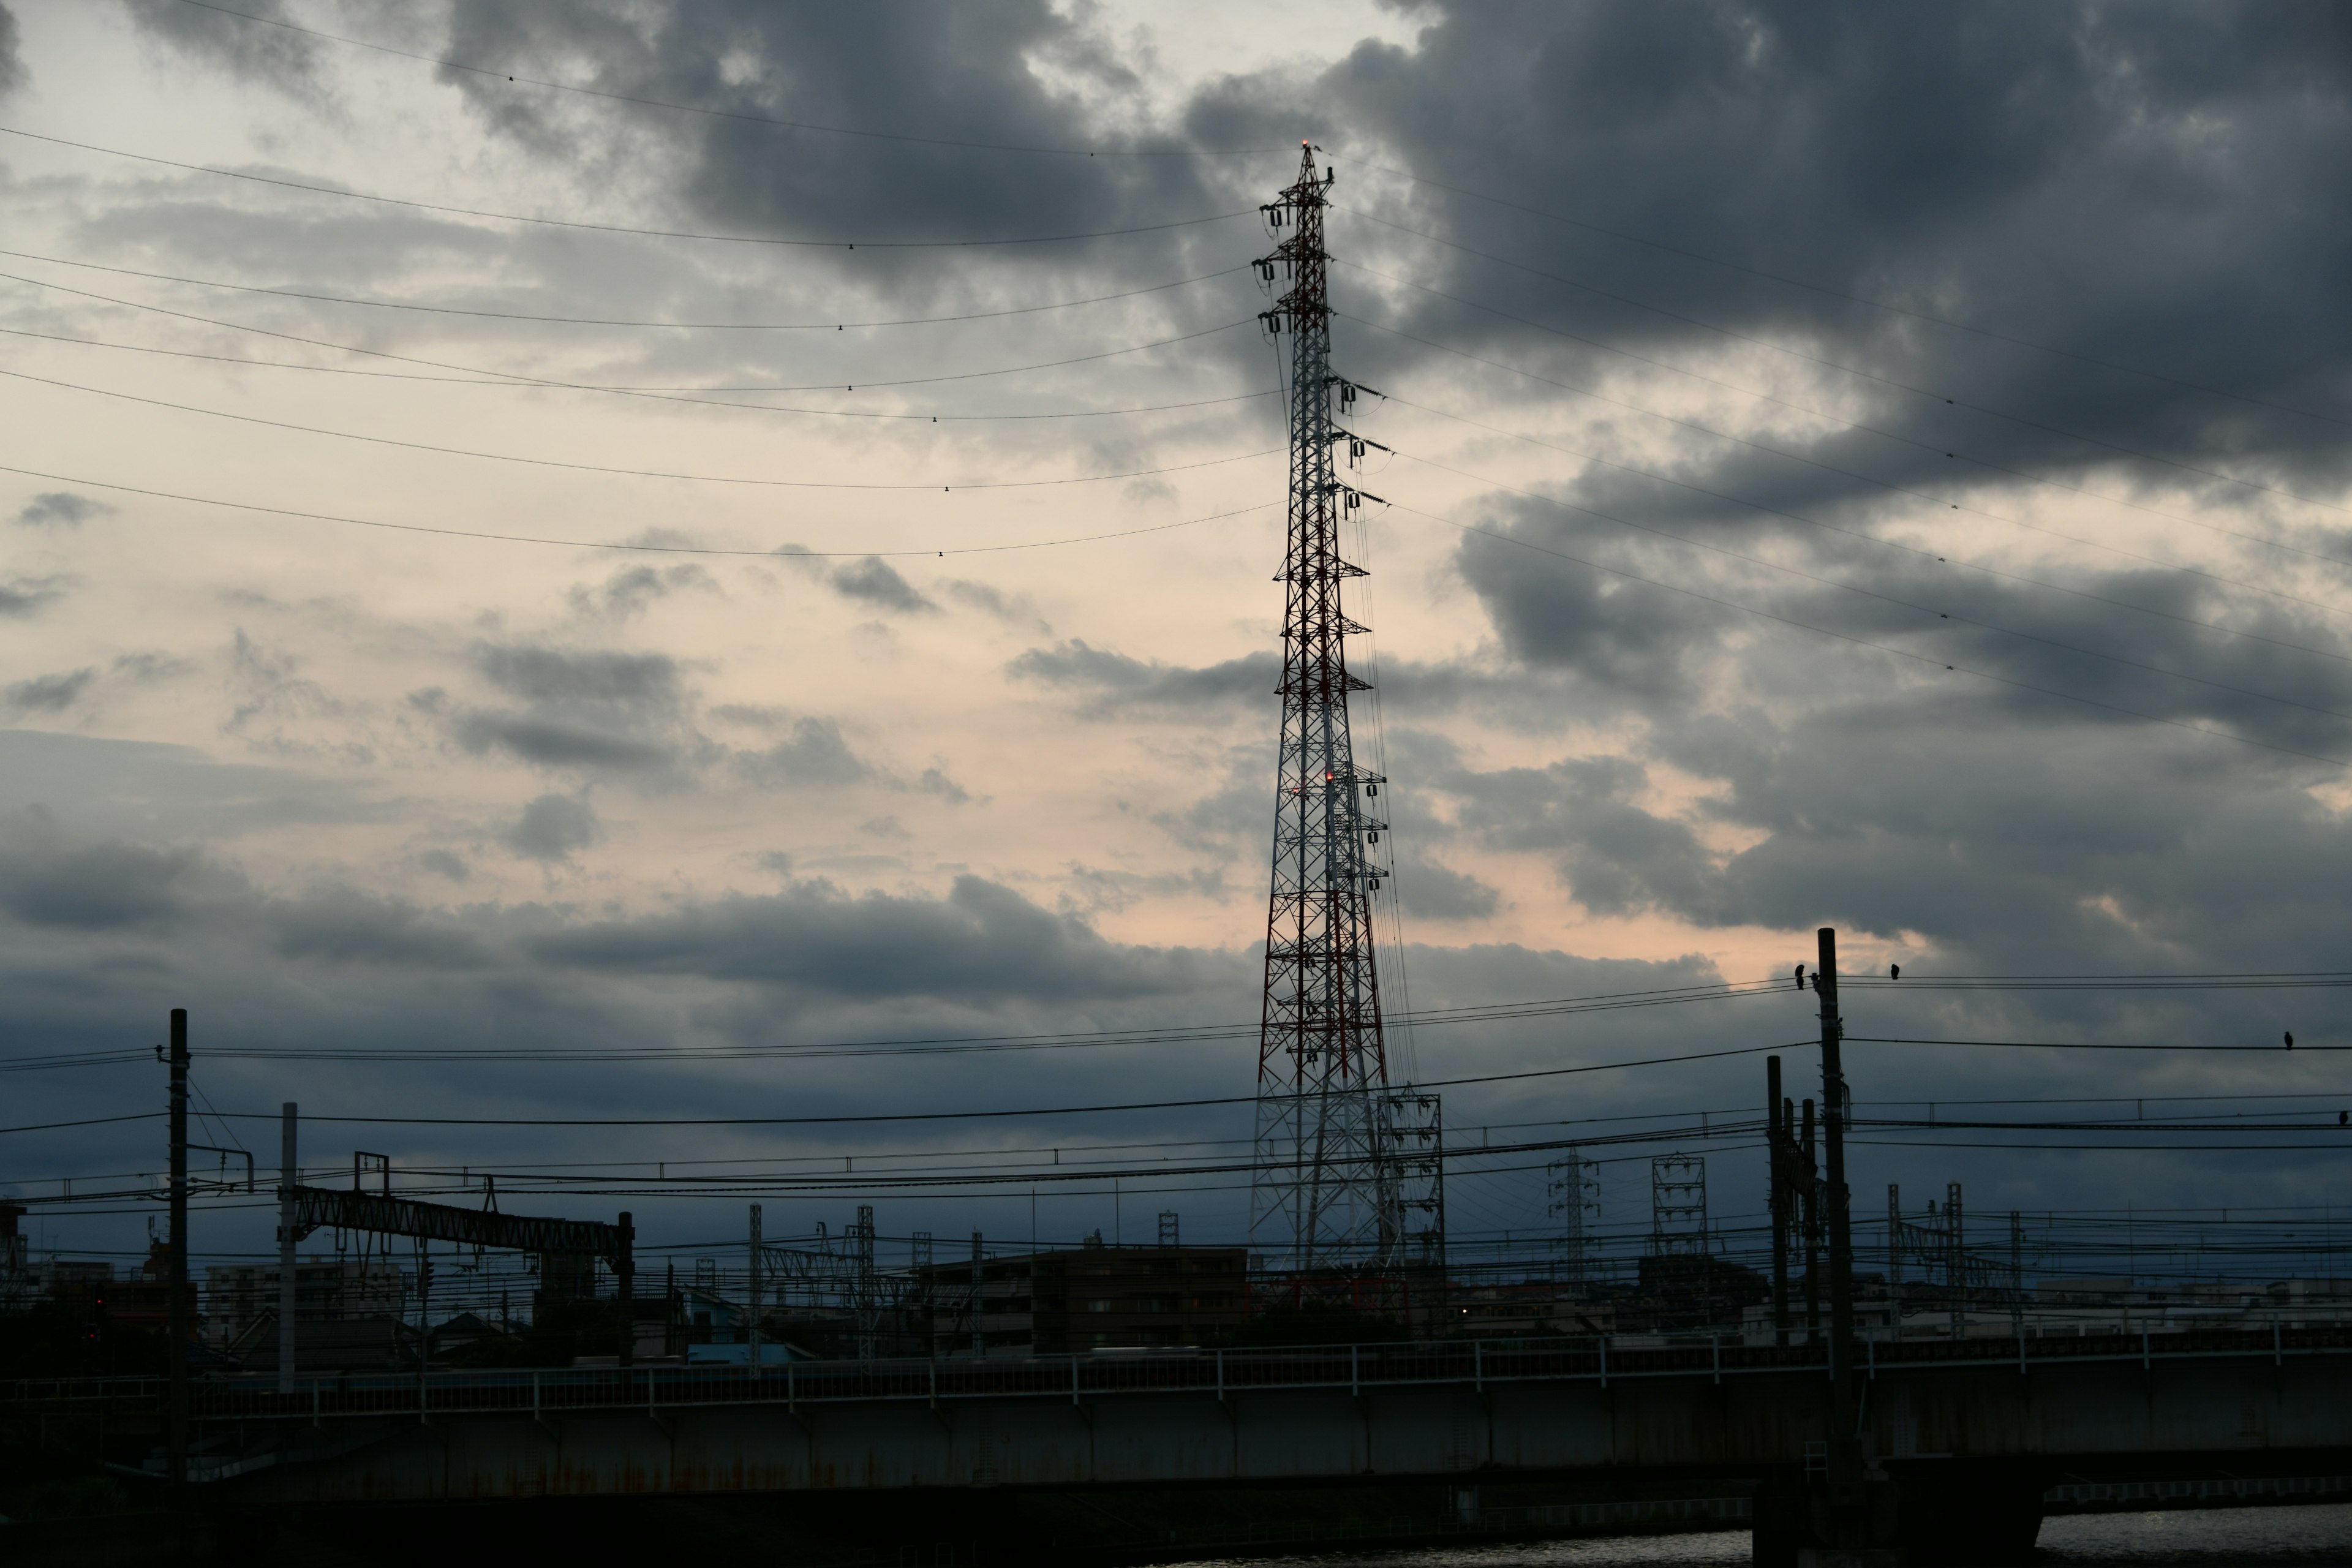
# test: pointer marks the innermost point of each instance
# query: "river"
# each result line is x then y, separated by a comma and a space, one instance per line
2311, 1536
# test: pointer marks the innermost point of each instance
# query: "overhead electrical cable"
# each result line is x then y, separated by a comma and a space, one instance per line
1886, 485
1864, 535
947, 1045
970, 1115
1858, 371
582, 224
745, 116
635, 473
1823, 289
630, 548
837, 325
483, 376
1928, 659
1956, 618
508, 383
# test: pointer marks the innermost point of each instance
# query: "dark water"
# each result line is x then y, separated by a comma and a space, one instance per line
2315, 1536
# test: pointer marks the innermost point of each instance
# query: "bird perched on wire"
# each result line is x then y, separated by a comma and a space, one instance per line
2290, 1039
1801, 977
1895, 972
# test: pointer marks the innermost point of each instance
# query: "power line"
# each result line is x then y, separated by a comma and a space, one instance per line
1203, 1034
1886, 381
1868, 643
830, 326
478, 375
2092, 1046
634, 549
628, 473
622, 228
1906, 311
983, 1115
1886, 485
744, 116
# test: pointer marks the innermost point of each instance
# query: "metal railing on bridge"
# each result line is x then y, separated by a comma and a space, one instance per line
1221, 1374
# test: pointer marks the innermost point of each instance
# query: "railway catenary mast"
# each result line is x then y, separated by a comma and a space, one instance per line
1325, 1195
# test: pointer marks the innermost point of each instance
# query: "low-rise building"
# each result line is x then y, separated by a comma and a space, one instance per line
1092, 1299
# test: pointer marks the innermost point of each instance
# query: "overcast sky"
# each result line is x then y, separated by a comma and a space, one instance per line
1901, 452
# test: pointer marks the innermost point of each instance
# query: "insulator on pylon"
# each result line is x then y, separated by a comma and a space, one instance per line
1372, 838
1355, 447
1273, 320
1371, 789
1354, 500
1346, 395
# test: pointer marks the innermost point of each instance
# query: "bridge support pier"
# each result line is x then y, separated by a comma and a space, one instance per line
1920, 1513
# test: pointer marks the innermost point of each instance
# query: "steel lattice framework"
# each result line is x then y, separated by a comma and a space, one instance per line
1326, 1188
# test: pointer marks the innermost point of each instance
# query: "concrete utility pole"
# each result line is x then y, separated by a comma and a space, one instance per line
1834, 1106
624, 1274
1776, 1140
289, 1177
752, 1297
176, 1285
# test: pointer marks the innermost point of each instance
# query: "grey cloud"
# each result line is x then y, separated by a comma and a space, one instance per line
48, 693
877, 582
12, 63
251, 51
813, 753
1124, 685
443, 863
346, 926
982, 940
965, 72
60, 508
93, 888
935, 780
582, 709
630, 590
872, 581
551, 827
23, 597
1430, 889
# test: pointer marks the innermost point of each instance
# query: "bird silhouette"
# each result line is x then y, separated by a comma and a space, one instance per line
2290, 1039
1895, 971
2343, 1117
1801, 977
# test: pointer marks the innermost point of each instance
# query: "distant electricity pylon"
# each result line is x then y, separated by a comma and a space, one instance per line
1573, 1186
1331, 1187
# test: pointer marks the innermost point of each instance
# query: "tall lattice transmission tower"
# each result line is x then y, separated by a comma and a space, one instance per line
1337, 1184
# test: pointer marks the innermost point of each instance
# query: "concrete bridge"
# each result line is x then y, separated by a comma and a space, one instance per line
1968, 1433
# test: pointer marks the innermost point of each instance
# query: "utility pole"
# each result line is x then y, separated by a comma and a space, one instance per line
1776, 1140
1847, 1500
755, 1295
175, 1286
624, 1276
290, 1176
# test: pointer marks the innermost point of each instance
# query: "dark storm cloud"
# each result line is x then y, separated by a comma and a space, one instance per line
905, 70
343, 925
982, 941
2120, 183
93, 887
